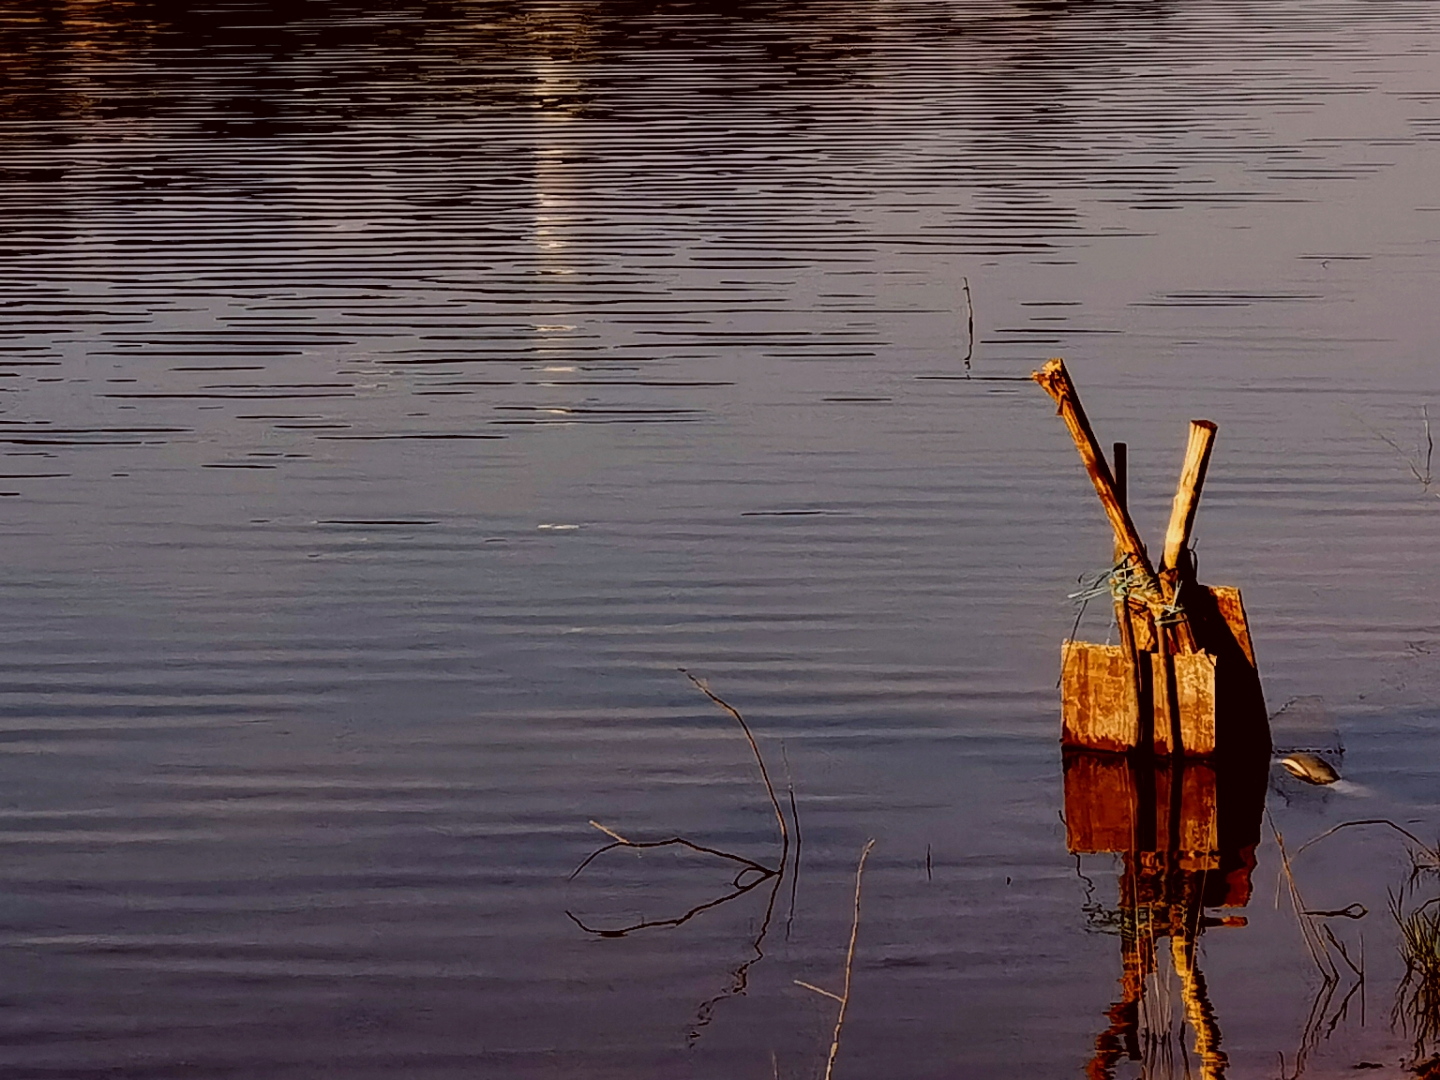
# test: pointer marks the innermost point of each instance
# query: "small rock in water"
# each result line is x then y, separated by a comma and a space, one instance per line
1311, 768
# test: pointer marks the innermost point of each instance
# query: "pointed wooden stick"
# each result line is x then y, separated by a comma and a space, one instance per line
1056, 382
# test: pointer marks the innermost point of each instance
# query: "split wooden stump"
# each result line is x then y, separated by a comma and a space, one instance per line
1183, 678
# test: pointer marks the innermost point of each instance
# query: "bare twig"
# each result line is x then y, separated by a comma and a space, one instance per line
1424, 847
969, 326
608, 832
1425, 476
755, 748
1343, 954
819, 990
748, 877
740, 977
1323, 945
747, 864
844, 996
799, 841
1349, 911
1429, 444
742, 882
679, 920
1314, 943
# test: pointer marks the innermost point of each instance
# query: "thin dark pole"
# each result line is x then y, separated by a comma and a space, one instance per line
1122, 470
1143, 728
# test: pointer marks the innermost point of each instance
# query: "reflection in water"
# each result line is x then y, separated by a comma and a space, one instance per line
1187, 833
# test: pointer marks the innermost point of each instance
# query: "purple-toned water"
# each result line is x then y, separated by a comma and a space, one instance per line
393, 397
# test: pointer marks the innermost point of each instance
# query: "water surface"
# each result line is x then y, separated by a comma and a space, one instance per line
393, 397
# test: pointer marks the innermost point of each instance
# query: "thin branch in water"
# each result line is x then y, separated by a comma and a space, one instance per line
755, 748
680, 841
844, 996
740, 977
679, 920
1425, 477
818, 990
608, 832
799, 841
1426, 849
1314, 943
1341, 948
740, 884
1322, 944
1429, 445
1349, 911
1344, 1007
969, 326
748, 877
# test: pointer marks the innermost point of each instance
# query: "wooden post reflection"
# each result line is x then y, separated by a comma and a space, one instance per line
1186, 831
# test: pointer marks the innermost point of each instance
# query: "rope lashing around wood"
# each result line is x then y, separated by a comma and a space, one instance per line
1124, 581
1121, 581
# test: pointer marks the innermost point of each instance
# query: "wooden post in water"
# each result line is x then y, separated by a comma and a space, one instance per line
1187, 728
1179, 641
1144, 710
1056, 382
1187, 500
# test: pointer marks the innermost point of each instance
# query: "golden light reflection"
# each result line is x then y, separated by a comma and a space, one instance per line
1187, 832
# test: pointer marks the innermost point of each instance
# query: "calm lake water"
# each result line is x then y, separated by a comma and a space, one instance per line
393, 397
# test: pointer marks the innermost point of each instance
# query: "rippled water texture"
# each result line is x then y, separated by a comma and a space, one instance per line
393, 397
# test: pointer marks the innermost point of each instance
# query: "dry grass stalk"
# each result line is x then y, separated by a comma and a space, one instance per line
1417, 999
844, 996
1314, 942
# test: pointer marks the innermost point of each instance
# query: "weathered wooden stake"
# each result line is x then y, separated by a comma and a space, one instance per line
1160, 688
1056, 382
1187, 497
